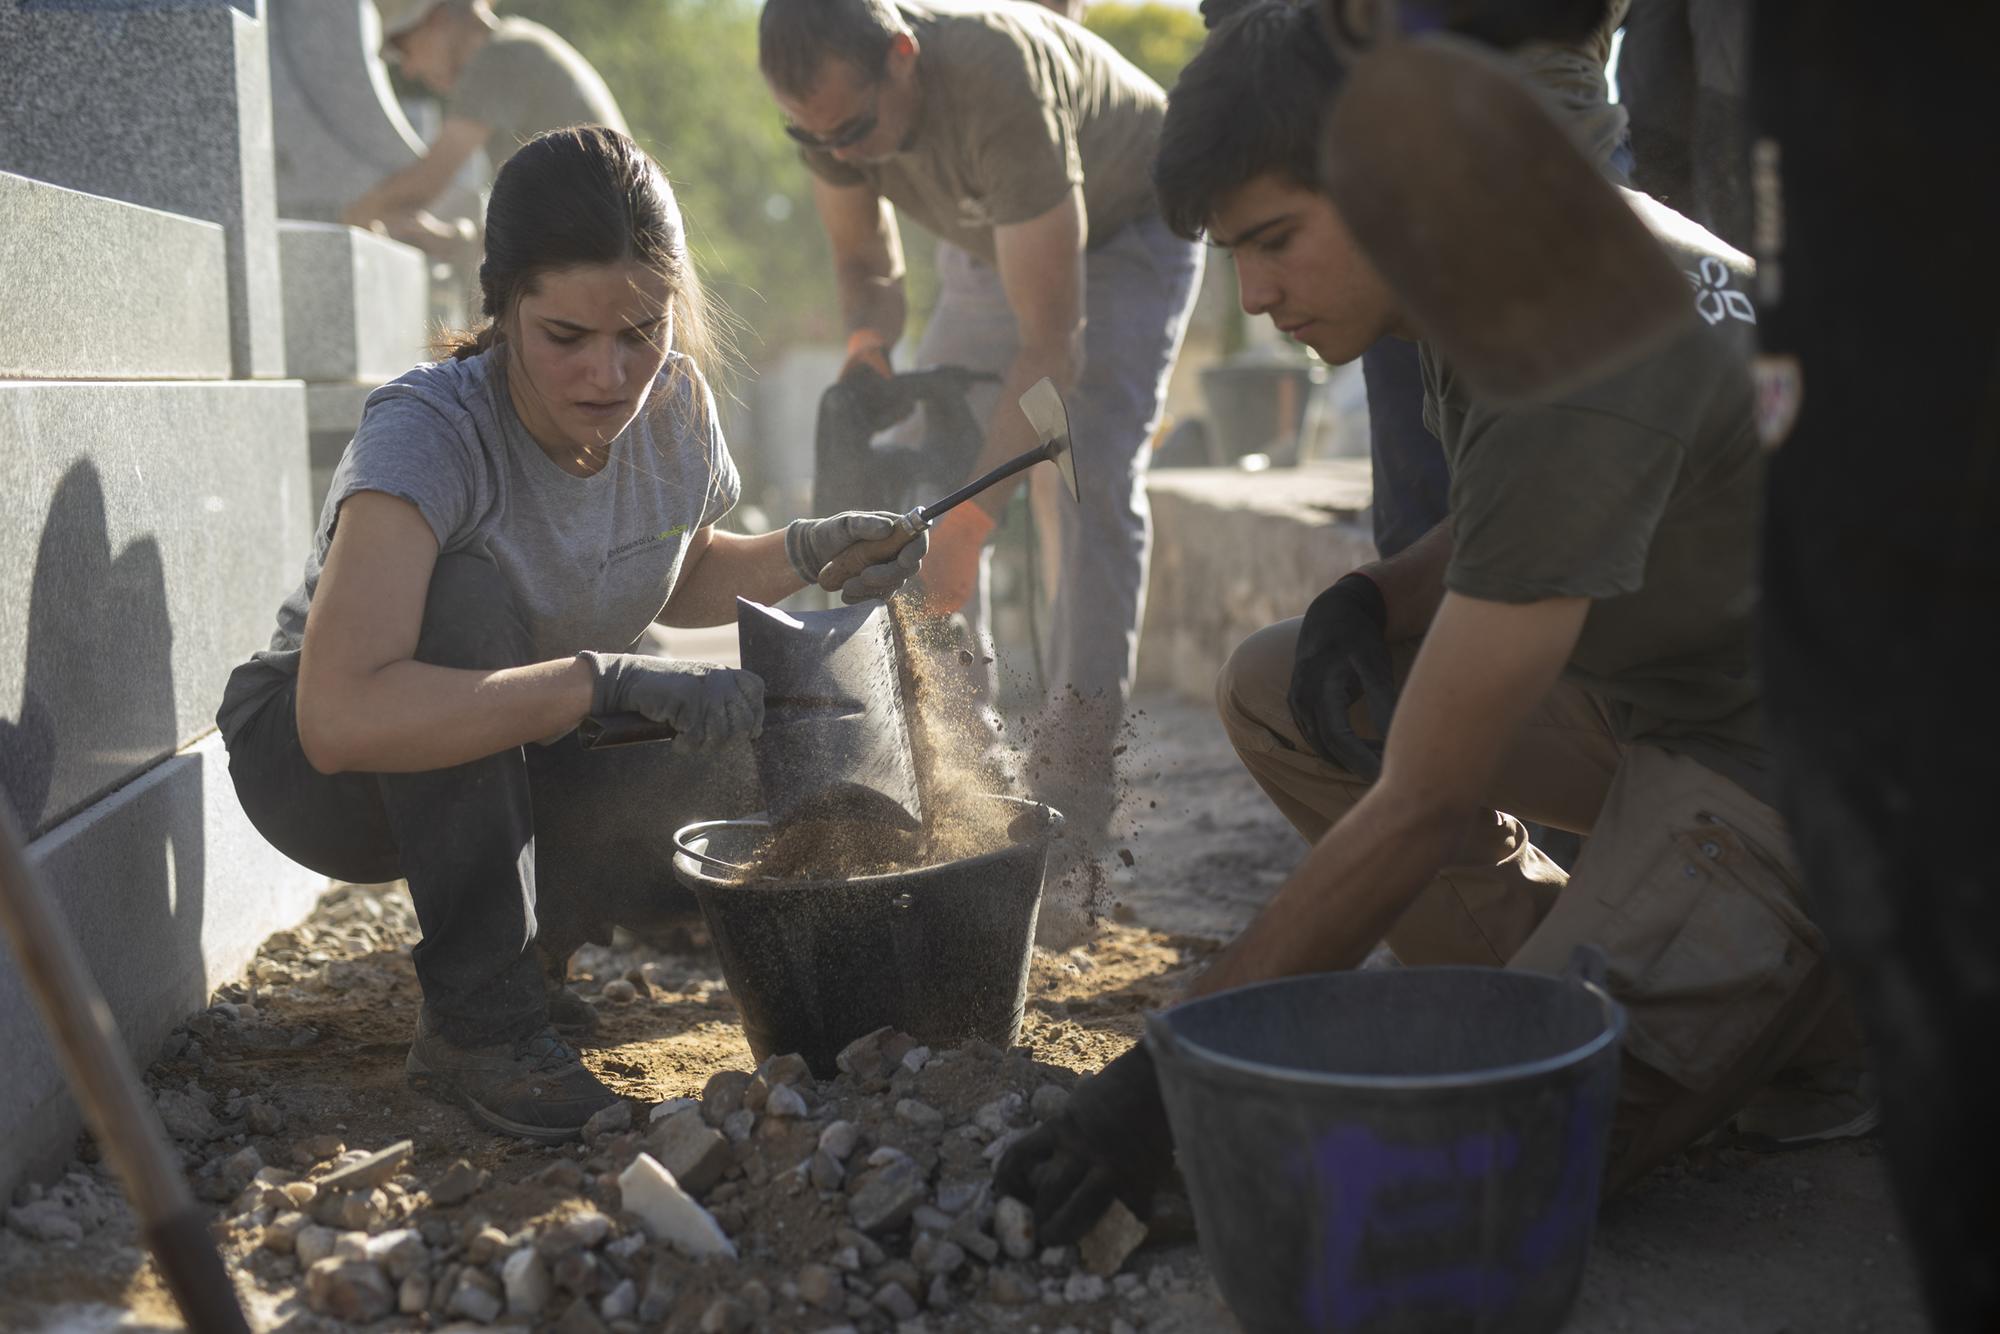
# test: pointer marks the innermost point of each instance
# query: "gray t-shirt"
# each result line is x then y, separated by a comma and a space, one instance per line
525, 81
1641, 493
591, 560
1019, 107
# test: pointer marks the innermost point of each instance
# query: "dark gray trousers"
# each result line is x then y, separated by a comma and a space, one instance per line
512, 860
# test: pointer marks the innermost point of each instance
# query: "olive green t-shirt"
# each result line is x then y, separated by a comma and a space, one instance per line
1641, 493
1019, 106
525, 81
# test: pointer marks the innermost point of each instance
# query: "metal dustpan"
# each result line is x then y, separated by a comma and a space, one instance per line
836, 742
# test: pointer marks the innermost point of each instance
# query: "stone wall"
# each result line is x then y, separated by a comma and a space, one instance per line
156, 509
1234, 551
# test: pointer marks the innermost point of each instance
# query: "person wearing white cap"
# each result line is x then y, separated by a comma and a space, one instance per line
504, 81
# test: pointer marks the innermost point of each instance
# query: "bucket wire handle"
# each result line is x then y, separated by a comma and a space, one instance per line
1587, 965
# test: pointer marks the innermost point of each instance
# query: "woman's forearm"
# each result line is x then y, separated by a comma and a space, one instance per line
726, 567
411, 717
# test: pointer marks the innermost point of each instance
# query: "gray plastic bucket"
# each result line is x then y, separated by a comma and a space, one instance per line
940, 953
1412, 1149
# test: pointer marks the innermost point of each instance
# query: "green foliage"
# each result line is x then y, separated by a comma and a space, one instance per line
685, 74
1159, 38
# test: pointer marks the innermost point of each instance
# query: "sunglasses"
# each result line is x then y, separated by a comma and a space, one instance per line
848, 135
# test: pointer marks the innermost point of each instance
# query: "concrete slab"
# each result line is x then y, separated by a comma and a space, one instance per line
148, 532
102, 289
168, 891
1234, 551
166, 106
355, 303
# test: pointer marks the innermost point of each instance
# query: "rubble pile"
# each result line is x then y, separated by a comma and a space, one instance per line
772, 1200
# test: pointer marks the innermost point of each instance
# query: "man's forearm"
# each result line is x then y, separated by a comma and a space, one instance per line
1412, 583
873, 300
1343, 898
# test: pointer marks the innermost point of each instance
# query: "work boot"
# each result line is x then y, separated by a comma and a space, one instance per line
569, 1014
533, 1087
1805, 1106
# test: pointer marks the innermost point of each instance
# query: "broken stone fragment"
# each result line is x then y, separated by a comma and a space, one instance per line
738, 1125
919, 1114
460, 1182
670, 1213
524, 1276
620, 992
723, 1095
263, 1118
354, 1210
369, 1171
1084, 1288
621, 1302
864, 1058
672, 1107
313, 1243
825, 1170
784, 1101
1014, 1227
281, 1234
938, 1298
579, 1319
839, 1139
884, 1196
581, 1231
995, 1116
477, 1297
930, 1218
484, 1244
613, 1120
413, 1294
401, 1253
864, 1245
788, 1069
351, 1290
575, 1272
725, 1315
916, 1058
1115, 1236
897, 1300
1008, 1287
186, 1116
695, 1154
819, 1286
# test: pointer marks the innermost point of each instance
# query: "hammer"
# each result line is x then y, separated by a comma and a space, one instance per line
1043, 407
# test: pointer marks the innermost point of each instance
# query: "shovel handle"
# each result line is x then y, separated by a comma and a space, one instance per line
599, 730
862, 555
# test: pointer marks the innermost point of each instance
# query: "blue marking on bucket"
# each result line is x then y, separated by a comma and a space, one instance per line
1383, 1192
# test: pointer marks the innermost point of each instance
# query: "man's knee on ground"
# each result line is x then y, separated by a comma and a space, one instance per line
1250, 690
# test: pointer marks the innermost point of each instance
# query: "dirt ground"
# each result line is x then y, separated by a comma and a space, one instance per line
311, 1043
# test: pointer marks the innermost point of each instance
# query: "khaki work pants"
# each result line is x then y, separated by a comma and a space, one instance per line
1687, 884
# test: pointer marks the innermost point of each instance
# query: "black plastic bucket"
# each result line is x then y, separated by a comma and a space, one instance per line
1380, 1152
940, 953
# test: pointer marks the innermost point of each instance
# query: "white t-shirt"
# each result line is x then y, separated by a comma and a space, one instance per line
591, 560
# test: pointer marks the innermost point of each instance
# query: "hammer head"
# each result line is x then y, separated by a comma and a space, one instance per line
1044, 409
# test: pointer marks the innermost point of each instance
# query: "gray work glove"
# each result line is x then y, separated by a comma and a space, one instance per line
813, 544
1341, 657
705, 704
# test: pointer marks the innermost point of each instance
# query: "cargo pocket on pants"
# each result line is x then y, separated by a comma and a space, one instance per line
1705, 953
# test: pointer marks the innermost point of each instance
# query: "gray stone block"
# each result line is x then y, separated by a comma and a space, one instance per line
148, 532
1235, 551
168, 891
339, 128
101, 289
333, 411
166, 106
355, 303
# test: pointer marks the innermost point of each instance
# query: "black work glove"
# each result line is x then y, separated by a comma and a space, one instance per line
1111, 1141
1343, 657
